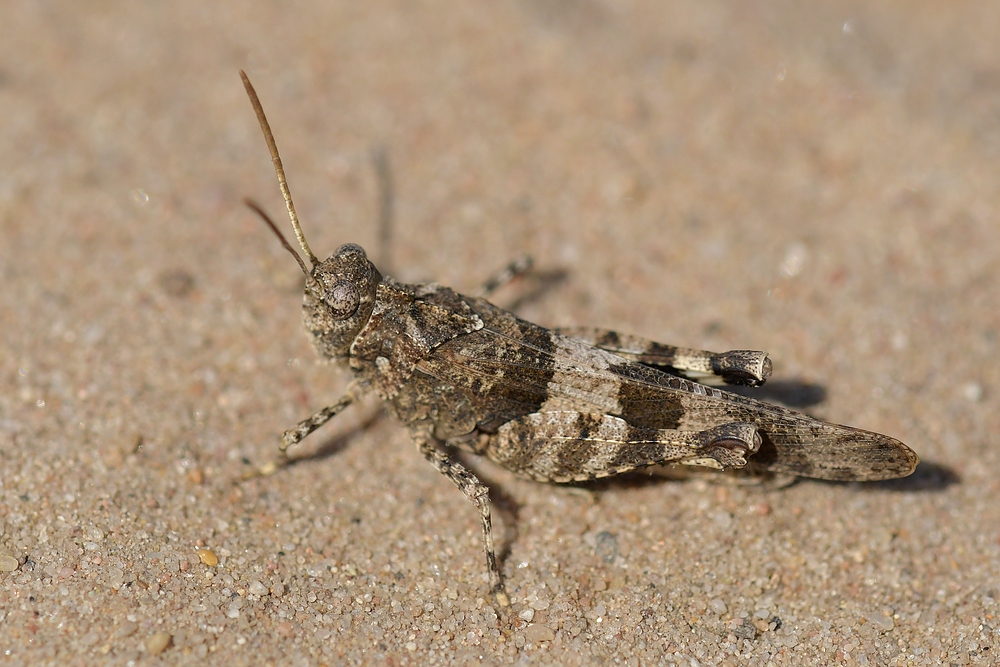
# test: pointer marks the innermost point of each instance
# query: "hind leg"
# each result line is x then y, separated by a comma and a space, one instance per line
745, 367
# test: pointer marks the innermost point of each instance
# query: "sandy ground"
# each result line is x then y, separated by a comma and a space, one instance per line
820, 183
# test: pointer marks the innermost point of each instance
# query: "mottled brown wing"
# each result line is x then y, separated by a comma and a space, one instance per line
513, 368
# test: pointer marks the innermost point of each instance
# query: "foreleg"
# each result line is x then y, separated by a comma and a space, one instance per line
295, 435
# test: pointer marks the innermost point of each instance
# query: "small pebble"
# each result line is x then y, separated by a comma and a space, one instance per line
882, 621
208, 557
973, 391
526, 614
539, 633
718, 606
606, 546
8, 563
257, 588
746, 630
126, 629
157, 642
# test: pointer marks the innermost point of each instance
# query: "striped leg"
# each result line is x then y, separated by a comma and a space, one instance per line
568, 446
295, 435
473, 489
746, 367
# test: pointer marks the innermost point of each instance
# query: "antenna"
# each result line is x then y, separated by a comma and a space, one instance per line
280, 172
274, 228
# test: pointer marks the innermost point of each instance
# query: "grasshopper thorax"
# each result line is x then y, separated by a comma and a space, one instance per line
339, 298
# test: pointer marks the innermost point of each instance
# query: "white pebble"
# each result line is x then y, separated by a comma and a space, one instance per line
882, 621
972, 391
8, 563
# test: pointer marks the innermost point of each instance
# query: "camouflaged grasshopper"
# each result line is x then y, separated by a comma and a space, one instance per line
567, 405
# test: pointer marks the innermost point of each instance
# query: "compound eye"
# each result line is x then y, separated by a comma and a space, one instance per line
343, 299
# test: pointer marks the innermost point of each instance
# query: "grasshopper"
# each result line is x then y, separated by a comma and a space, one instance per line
563, 405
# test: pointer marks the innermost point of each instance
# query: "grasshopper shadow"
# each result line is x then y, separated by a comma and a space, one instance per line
796, 394
334, 445
929, 476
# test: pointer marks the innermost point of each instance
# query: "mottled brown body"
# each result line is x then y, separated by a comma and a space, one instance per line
554, 406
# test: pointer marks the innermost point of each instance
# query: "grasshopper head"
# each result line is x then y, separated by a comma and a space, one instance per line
339, 298
340, 292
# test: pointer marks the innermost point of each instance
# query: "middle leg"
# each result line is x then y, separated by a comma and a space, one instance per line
472, 489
